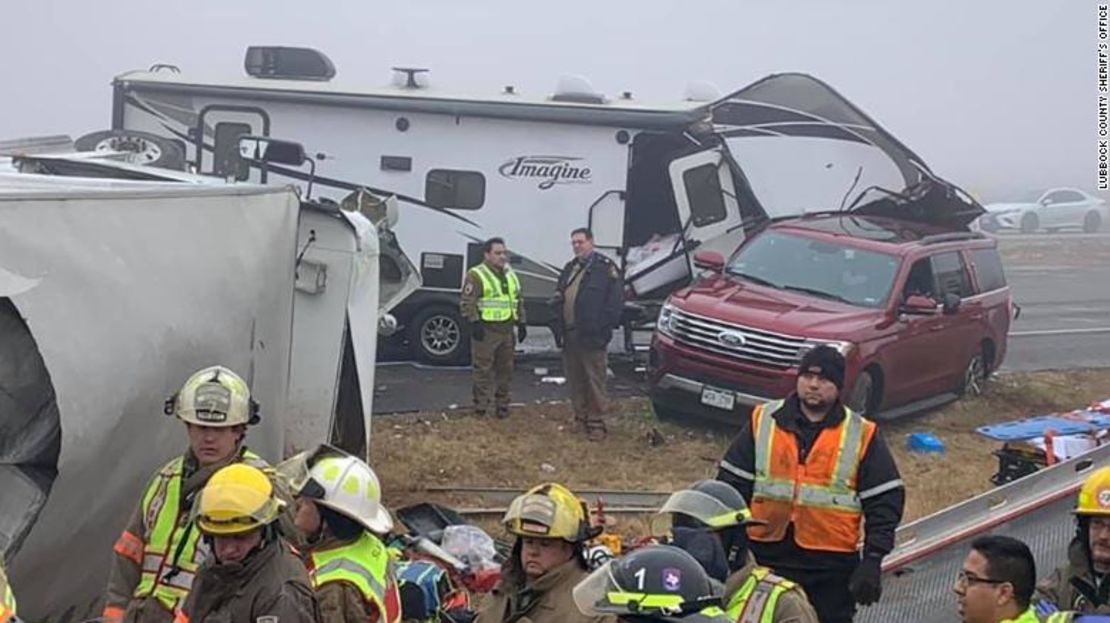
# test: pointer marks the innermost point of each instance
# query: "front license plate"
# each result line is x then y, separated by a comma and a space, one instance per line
719, 398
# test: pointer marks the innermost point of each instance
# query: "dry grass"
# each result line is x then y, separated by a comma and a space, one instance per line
532, 446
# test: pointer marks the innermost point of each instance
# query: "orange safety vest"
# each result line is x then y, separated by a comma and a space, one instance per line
819, 496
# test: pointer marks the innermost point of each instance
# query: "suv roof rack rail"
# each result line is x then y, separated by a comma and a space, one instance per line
952, 237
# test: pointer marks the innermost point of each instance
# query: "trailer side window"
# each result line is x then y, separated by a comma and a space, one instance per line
458, 190
707, 200
228, 162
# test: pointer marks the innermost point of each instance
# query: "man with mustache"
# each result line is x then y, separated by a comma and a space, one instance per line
815, 475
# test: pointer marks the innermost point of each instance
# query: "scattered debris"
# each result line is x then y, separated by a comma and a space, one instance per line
540, 371
555, 380
547, 468
925, 443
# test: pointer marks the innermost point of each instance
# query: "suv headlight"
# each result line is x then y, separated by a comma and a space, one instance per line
842, 347
665, 322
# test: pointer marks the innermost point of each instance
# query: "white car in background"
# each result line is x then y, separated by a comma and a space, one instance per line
1050, 210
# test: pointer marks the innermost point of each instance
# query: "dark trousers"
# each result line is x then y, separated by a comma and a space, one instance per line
827, 590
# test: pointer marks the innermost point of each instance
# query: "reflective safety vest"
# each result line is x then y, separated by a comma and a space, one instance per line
171, 538
496, 304
7, 599
819, 496
758, 596
366, 564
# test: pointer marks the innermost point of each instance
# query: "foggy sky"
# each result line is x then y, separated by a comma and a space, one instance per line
993, 95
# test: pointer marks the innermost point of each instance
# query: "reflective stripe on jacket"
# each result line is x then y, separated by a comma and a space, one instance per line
497, 304
366, 564
818, 495
758, 597
170, 557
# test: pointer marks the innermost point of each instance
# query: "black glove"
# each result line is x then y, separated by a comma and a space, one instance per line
866, 583
477, 331
557, 333
521, 332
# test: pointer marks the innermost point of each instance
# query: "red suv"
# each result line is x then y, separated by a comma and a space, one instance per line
920, 312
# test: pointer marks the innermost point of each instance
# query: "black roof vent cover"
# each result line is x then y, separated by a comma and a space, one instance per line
288, 63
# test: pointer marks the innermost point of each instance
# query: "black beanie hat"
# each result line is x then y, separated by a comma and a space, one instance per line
826, 362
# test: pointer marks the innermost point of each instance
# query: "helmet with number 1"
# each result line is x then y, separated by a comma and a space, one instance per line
548, 511
1094, 495
656, 583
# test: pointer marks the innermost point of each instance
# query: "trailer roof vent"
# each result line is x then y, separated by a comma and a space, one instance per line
702, 91
288, 63
572, 88
410, 77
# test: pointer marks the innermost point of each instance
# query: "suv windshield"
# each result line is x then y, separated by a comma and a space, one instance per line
818, 267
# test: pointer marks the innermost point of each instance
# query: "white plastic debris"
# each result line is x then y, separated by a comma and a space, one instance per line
471, 545
554, 380
547, 468
540, 371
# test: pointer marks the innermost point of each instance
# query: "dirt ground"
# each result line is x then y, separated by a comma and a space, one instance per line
533, 446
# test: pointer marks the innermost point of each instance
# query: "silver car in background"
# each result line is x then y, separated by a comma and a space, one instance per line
1049, 210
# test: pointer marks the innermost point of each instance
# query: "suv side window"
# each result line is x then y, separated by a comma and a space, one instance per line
988, 269
951, 275
920, 281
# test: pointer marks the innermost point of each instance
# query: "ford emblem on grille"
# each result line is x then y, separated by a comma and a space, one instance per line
732, 338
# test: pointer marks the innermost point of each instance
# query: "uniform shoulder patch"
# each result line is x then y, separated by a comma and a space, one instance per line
614, 272
468, 287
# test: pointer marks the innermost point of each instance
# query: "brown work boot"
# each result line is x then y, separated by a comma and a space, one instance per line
597, 433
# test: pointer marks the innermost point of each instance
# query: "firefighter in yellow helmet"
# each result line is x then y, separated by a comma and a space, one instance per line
7, 600
551, 526
339, 508
252, 574
157, 555
1083, 584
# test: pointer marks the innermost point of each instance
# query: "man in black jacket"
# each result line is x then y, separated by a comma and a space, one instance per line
587, 306
814, 544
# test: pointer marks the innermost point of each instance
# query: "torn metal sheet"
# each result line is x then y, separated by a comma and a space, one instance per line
136, 290
12, 284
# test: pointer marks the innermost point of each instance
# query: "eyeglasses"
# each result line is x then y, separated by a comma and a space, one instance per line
963, 578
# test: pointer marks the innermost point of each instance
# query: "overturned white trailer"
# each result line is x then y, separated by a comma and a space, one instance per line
111, 293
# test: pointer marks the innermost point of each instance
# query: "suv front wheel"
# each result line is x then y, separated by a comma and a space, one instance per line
865, 394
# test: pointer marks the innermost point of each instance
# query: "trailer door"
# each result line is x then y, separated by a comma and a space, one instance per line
705, 195
216, 139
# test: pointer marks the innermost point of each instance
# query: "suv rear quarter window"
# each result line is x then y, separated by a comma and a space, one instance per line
951, 274
988, 269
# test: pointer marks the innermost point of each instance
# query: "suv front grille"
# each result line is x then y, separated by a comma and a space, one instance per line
737, 341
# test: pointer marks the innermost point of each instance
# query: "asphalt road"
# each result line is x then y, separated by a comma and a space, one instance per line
1065, 323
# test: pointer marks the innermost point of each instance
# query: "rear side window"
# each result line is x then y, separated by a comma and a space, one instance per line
951, 274
228, 162
988, 269
707, 202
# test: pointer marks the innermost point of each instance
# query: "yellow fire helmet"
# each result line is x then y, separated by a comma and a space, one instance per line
238, 498
1094, 495
215, 397
548, 511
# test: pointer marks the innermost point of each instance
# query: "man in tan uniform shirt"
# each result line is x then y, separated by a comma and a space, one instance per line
492, 303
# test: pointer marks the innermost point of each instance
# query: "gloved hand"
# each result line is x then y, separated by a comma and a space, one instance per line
866, 581
477, 331
521, 332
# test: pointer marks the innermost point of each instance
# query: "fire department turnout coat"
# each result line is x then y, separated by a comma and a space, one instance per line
876, 482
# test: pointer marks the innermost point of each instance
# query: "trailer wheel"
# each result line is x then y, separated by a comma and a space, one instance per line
30, 430
146, 148
1092, 222
437, 335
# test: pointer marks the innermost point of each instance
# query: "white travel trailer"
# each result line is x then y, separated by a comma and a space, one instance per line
115, 285
653, 182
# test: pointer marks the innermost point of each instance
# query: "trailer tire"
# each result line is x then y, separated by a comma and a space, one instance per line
30, 429
148, 149
437, 335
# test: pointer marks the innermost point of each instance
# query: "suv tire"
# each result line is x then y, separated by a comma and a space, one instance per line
975, 374
864, 397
